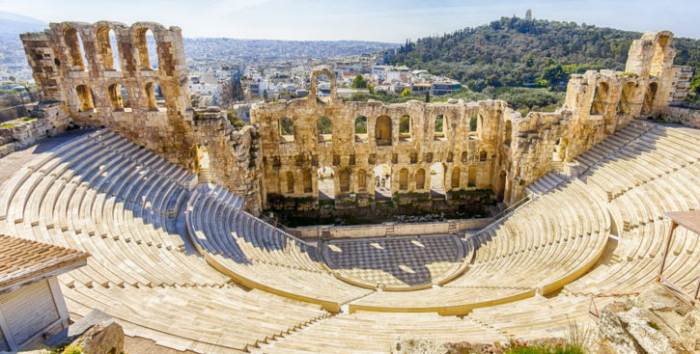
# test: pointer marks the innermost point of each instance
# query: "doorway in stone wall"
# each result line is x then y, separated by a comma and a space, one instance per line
382, 182
326, 183
437, 179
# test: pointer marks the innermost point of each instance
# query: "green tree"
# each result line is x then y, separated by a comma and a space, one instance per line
406, 92
359, 82
555, 76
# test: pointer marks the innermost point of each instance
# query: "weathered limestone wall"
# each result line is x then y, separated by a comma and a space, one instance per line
133, 79
50, 119
118, 86
484, 145
684, 116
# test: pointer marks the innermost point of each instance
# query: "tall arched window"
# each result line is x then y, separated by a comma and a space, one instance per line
649, 98
361, 129
85, 98
361, 181
455, 177
600, 99
403, 179
473, 124
405, 128
382, 131
420, 179
76, 51
290, 182
147, 49
151, 101
107, 46
286, 129
115, 97
483, 156
439, 131
344, 180
308, 181
625, 106
471, 177
325, 129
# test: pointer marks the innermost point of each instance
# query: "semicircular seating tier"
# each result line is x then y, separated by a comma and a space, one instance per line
540, 247
121, 203
599, 236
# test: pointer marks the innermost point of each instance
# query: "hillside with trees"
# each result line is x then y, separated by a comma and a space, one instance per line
517, 52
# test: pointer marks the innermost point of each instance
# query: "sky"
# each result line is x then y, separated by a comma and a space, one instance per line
375, 20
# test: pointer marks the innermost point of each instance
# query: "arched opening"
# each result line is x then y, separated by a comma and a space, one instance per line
202, 162
455, 178
344, 180
483, 155
600, 98
85, 98
382, 181
501, 185
326, 184
437, 178
361, 180
556, 154
420, 179
147, 49
307, 180
473, 124
465, 157
151, 101
76, 50
383, 131
649, 97
290, 182
439, 131
508, 133
660, 52
115, 97
323, 85
403, 179
625, 106
361, 129
405, 128
325, 129
471, 177
107, 46
286, 129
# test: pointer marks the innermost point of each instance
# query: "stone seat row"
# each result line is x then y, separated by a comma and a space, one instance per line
260, 255
101, 194
201, 319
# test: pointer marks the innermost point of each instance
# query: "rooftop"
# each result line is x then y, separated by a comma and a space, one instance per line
22, 261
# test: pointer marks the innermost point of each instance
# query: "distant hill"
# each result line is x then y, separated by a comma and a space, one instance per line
519, 52
14, 24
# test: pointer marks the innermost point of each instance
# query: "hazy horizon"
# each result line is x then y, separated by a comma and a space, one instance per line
383, 21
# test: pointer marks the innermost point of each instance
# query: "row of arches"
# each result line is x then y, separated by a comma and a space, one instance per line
383, 129
602, 95
430, 179
107, 46
119, 97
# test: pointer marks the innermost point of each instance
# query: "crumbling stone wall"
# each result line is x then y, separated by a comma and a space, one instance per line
103, 75
502, 151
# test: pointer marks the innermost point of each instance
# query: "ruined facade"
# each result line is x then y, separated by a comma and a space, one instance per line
317, 151
133, 79
478, 145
